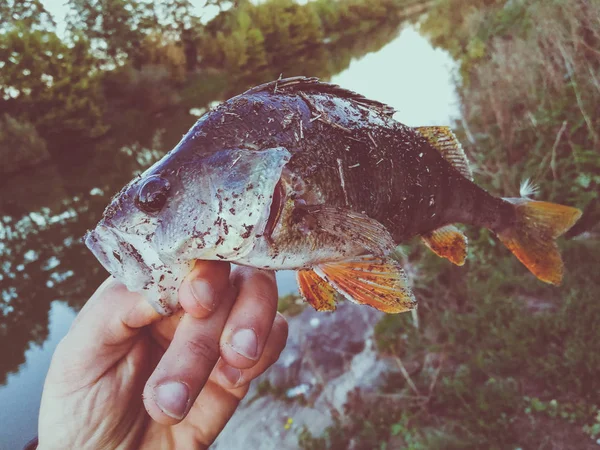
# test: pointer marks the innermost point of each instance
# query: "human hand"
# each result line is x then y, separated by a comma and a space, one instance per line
125, 377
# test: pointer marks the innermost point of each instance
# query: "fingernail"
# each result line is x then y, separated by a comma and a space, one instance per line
232, 374
245, 343
204, 294
172, 398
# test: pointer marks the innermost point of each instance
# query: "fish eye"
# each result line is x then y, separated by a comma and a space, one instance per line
152, 194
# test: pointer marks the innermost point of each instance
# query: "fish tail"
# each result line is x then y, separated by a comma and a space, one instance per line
532, 235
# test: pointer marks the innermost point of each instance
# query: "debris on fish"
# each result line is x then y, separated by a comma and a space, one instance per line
304, 175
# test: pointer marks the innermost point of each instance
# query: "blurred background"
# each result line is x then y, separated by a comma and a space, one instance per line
94, 91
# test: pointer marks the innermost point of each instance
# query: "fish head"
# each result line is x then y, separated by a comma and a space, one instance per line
207, 206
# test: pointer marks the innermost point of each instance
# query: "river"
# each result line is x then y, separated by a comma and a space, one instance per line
46, 274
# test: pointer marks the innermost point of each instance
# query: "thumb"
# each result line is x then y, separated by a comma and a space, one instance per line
104, 330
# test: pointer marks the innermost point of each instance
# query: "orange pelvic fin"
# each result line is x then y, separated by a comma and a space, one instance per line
448, 242
316, 290
532, 237
368, 280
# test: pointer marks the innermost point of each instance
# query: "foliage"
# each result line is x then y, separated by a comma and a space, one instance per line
291, 305
277, 31
49, 83
148, 90
115, 28
21, 144
529, 92
254, 36
519, 358
365, 423
156, 50
520, 363
31, 13
123, 59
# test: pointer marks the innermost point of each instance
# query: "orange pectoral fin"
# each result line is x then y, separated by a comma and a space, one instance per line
351, 225
447, 242
316, 290
368, 280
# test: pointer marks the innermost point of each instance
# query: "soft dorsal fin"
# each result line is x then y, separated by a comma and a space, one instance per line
444, 140
448, 242
366, 280
316, 290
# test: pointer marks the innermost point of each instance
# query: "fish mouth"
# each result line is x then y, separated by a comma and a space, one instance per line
117, 256
275, 209
99, 240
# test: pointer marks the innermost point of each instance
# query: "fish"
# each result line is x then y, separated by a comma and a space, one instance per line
303, 175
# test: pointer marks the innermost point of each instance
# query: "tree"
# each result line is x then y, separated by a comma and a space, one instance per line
115, 28
50, 84
31, 13
305, 28
255, 49
181, 24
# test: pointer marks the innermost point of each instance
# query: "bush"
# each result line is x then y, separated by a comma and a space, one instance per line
159, 51
20, 145
149, 89
50, 84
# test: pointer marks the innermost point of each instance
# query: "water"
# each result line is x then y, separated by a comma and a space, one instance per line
47, 274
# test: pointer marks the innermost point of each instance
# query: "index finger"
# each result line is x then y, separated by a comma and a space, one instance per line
204, 287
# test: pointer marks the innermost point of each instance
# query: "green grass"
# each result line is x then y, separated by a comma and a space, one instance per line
510, 371
505, 360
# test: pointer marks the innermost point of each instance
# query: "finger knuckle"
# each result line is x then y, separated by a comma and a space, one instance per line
265, 300
267, 276
245, 274
265, 289
204, 347
115, 288
280, 326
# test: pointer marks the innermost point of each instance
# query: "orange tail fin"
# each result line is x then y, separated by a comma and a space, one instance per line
532, 237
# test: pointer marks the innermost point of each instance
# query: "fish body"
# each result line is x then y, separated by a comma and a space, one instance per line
303, 175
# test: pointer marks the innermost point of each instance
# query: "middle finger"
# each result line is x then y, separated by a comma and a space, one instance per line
186, 364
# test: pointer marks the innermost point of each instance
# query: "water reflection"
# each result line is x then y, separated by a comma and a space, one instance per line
46, 273
44, 213
417, 79
21, 397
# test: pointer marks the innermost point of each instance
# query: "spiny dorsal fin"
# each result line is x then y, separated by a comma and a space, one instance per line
443, 139
312, 84
368, 280
448, 242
